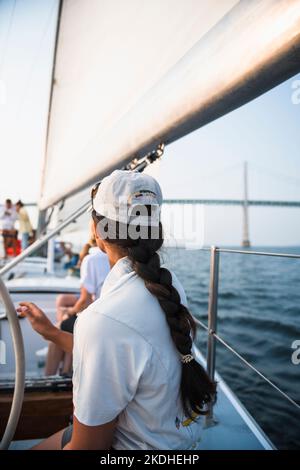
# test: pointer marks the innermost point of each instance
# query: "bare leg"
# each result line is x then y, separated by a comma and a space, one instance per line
14, 243
51, 443
5, 243
54, 357
64, 300
4, 247
55, 354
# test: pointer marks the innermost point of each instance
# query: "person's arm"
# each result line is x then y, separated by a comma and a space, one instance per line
84, 301
42, 325
91, 437
84, 251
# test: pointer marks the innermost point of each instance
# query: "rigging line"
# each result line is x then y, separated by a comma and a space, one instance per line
35, 59
291, 179
220, 172
8, 31
224, 343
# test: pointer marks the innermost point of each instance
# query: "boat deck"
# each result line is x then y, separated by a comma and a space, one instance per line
235, 428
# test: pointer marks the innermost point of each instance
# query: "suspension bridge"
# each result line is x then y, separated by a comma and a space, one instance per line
244, 203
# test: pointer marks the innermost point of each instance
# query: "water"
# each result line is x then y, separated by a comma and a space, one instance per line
259, 316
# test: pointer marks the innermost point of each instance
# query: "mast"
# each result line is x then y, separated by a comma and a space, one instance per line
43, 213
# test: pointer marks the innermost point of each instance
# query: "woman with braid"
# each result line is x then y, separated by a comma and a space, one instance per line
136, 382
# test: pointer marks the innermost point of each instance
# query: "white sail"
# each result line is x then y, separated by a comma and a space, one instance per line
130, 74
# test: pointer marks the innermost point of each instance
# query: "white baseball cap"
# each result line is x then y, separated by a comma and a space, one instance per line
121, 195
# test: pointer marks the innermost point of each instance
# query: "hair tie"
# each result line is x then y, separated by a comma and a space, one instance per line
187, 358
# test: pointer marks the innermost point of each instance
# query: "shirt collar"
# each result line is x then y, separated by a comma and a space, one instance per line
122, 267
93, 250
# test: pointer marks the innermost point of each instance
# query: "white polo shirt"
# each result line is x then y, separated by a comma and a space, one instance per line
8, 218
126, 365
93, 271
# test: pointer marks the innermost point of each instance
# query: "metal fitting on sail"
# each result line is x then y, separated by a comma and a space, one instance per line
140, 164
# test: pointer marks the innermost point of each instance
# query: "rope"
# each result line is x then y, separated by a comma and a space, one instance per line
274, 174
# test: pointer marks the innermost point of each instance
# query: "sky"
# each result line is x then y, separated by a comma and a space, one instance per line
205, 164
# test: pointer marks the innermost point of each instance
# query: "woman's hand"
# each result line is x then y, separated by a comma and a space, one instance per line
42, 325
39, 321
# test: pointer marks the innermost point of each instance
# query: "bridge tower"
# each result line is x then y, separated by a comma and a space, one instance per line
245, 241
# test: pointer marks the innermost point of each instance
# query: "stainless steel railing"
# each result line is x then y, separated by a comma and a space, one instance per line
211, 328
213, 311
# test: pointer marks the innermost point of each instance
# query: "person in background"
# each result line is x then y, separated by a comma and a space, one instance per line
71, 264
25, 227
86, 248
59, 251
8, 216
32, 237
75, 266
67, 301
93, 271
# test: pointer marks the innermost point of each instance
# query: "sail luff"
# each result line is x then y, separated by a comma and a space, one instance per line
42, 212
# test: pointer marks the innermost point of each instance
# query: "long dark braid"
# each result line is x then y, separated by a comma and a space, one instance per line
196, 387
